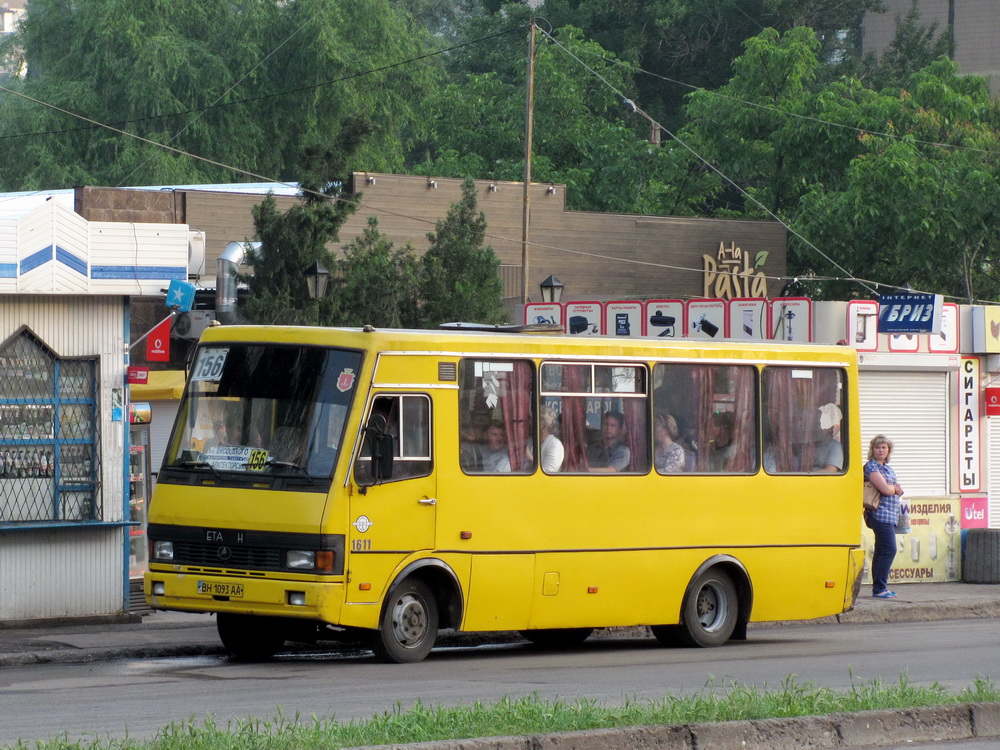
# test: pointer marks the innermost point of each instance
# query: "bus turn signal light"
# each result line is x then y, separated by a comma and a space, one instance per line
324, 560
591, 589
466, 535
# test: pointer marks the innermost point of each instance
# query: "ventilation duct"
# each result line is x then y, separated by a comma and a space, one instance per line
228, 265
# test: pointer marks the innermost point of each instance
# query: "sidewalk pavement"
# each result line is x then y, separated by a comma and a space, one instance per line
163, 634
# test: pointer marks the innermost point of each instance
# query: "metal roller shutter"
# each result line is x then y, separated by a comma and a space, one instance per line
994, 471
911, 409
164, 413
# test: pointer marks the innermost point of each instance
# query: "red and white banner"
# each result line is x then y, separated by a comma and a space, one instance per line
158, 342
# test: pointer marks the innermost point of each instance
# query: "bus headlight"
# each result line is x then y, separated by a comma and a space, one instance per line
163, 551
300, 559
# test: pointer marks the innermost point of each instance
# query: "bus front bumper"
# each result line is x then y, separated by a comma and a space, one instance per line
197, 592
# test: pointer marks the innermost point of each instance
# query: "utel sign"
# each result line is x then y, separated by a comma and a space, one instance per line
909, 313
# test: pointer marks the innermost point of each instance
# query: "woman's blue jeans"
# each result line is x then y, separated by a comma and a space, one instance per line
885, 553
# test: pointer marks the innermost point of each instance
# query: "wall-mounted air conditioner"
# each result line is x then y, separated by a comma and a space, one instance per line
189, 325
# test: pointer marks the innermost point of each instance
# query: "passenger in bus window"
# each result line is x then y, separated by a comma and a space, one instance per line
721, 440
470, 456
552, 452
220, 435
612, 453
669, 456
828, 455
493, 453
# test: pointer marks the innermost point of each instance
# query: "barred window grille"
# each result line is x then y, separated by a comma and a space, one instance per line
49, 462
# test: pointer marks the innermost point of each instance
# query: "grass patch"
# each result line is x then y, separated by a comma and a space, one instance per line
533, 715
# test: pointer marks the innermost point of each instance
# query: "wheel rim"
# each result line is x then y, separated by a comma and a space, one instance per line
409, 621
712, 607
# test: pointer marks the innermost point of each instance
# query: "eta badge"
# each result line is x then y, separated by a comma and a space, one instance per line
362, 524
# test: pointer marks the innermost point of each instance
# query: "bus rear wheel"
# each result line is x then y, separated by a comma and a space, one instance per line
250, 638
557, 637
708, 615
409, 624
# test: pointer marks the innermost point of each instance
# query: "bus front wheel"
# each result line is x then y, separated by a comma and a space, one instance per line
409, 624
709, 613
250, 638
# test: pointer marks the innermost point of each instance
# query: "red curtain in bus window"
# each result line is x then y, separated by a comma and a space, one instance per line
634, 410
703, 382
779, 405
744, 455
515, 404
574, 423
808, 414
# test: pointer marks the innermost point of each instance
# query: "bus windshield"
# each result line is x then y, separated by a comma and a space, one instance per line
264, 408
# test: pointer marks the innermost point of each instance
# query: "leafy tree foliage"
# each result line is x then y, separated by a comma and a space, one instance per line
378, 284
694, 41
913, 47
903, 187
583, 135
292, 241
459, 275
249, 83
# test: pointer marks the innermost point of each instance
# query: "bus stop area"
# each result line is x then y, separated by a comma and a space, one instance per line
164, 634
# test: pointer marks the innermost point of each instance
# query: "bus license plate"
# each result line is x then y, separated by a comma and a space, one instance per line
232, 590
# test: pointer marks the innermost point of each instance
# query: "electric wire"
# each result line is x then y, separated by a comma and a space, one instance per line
869, 284
708, 164
277, 94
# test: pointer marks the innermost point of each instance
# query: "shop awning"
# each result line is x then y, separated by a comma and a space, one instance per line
162, 385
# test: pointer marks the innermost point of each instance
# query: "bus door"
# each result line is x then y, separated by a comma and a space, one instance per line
393, 517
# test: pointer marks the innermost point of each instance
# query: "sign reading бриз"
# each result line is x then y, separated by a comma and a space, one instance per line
909, 313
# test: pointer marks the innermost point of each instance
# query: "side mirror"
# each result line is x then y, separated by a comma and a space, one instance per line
381, 444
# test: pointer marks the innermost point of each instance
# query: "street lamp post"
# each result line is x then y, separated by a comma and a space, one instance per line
317, 278
551, 289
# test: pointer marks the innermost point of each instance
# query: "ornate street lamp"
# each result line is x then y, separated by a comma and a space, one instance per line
552, 289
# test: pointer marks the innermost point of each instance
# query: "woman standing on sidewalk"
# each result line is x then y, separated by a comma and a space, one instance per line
883, 519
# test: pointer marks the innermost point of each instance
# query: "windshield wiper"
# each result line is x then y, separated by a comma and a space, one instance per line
275, 463
199, 465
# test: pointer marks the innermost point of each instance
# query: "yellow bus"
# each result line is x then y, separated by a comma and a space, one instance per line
324, 483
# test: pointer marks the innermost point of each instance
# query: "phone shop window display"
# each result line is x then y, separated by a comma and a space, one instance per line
48, 434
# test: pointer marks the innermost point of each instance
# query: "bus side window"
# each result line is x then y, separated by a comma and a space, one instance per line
408, 421
602, 428
803, 410
715, 411
496, 419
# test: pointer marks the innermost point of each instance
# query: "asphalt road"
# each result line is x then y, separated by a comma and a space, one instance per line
139, 697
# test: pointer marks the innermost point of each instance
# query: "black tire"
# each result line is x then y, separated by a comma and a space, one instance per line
667, 635
557, 637
250, 638
982, 556
709, 612
409, 624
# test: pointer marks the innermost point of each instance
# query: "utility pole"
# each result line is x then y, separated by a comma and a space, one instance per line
529, 117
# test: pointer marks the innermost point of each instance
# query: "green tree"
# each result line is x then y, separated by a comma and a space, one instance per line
460, 277
921, 207
247, 83
914, 46
897, 186
584, 136
379, 284
692, 42
292, 241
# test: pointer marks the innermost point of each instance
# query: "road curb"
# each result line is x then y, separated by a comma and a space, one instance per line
844, 730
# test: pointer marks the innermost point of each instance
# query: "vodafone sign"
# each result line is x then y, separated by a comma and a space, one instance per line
992, 402
158, 342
